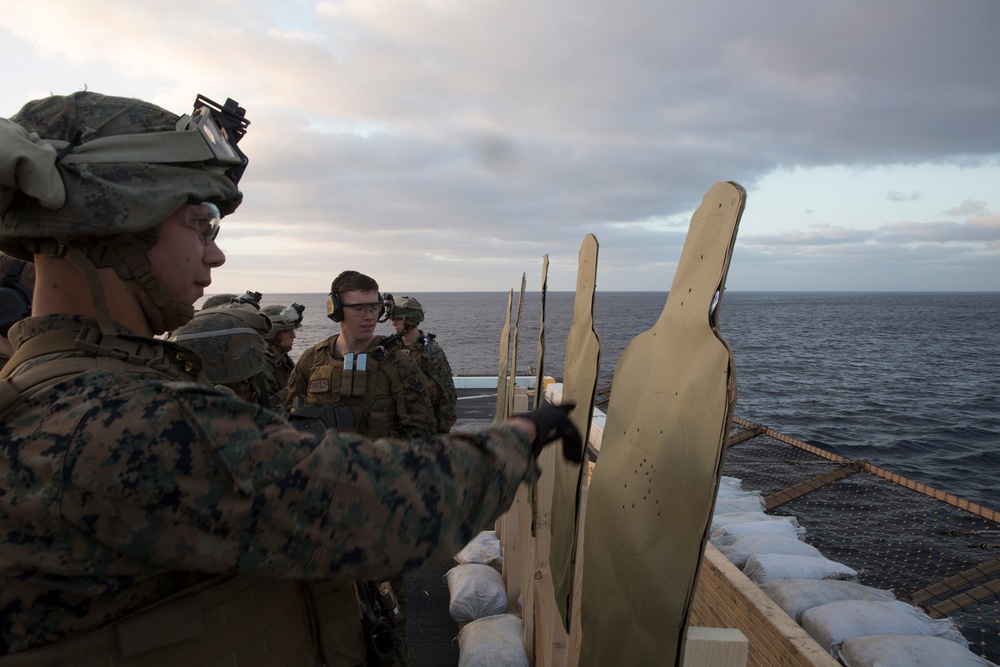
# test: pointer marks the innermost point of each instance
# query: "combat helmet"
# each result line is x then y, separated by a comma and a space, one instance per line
283, 318
91, 177
230, 341
406, 307
217, 300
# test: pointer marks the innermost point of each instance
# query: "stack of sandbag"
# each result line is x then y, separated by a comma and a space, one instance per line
741, 529
488, 635
833, 624
860, 625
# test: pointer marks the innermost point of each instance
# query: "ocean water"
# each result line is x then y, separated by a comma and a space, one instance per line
908, 381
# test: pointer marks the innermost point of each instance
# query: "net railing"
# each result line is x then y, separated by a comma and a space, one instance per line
935, 550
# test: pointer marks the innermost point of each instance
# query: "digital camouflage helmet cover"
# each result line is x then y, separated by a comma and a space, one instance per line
229, 339
91, 177
406, 307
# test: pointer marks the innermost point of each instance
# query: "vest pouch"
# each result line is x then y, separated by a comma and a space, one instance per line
361, 375
379, 424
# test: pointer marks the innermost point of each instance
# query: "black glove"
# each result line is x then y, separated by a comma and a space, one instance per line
552, 423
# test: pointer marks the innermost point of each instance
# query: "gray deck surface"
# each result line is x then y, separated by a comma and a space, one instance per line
432, 633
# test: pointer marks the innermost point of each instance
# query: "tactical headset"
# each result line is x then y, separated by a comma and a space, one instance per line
334, 307
15, 299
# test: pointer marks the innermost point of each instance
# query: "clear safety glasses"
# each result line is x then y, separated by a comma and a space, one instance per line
203, 217
363, 308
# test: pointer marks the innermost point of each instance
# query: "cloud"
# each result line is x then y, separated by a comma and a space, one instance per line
813, 235
456, 142
969, 207
895, 195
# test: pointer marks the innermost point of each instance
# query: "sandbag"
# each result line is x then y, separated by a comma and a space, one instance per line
721, 519
768, 567
745, 546
485, 549
908, 651
834, 623
794, 596
732, 487
494, 641
725, 535
750, 503
476, 591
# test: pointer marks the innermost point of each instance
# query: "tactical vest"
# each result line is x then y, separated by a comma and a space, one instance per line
352, 382
28, 371
248, 621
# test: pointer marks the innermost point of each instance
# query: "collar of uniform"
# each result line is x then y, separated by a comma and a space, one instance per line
171, 356
33, 326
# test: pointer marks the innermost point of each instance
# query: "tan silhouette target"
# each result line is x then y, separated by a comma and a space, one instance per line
655, 481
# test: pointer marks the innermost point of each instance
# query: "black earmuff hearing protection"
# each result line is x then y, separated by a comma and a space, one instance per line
334, 309
15, 299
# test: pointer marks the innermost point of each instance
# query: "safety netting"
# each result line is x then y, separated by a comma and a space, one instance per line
932, 549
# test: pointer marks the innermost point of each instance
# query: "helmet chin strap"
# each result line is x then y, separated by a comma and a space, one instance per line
77, 258
130, 263
175, 313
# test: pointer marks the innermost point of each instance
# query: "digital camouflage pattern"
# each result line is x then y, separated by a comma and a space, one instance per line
279, 325
395, 403
228, 339
217, 300
406, 307
98, 199
441, 389
119, 489
279, 367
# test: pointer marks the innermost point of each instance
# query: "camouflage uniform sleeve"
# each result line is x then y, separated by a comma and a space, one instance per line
413, 405
298, 379
437, 368
201, 481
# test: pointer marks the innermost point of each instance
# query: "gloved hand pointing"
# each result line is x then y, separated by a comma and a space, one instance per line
552, 423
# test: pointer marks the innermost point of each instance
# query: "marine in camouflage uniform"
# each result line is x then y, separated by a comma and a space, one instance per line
127, 477
365, 374
285, 320
365, 383
230, 342
406, 314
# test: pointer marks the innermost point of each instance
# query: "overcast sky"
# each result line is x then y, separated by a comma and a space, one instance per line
447, 145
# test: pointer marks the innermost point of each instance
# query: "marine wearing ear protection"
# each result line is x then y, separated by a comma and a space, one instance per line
15, 299
335, 307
